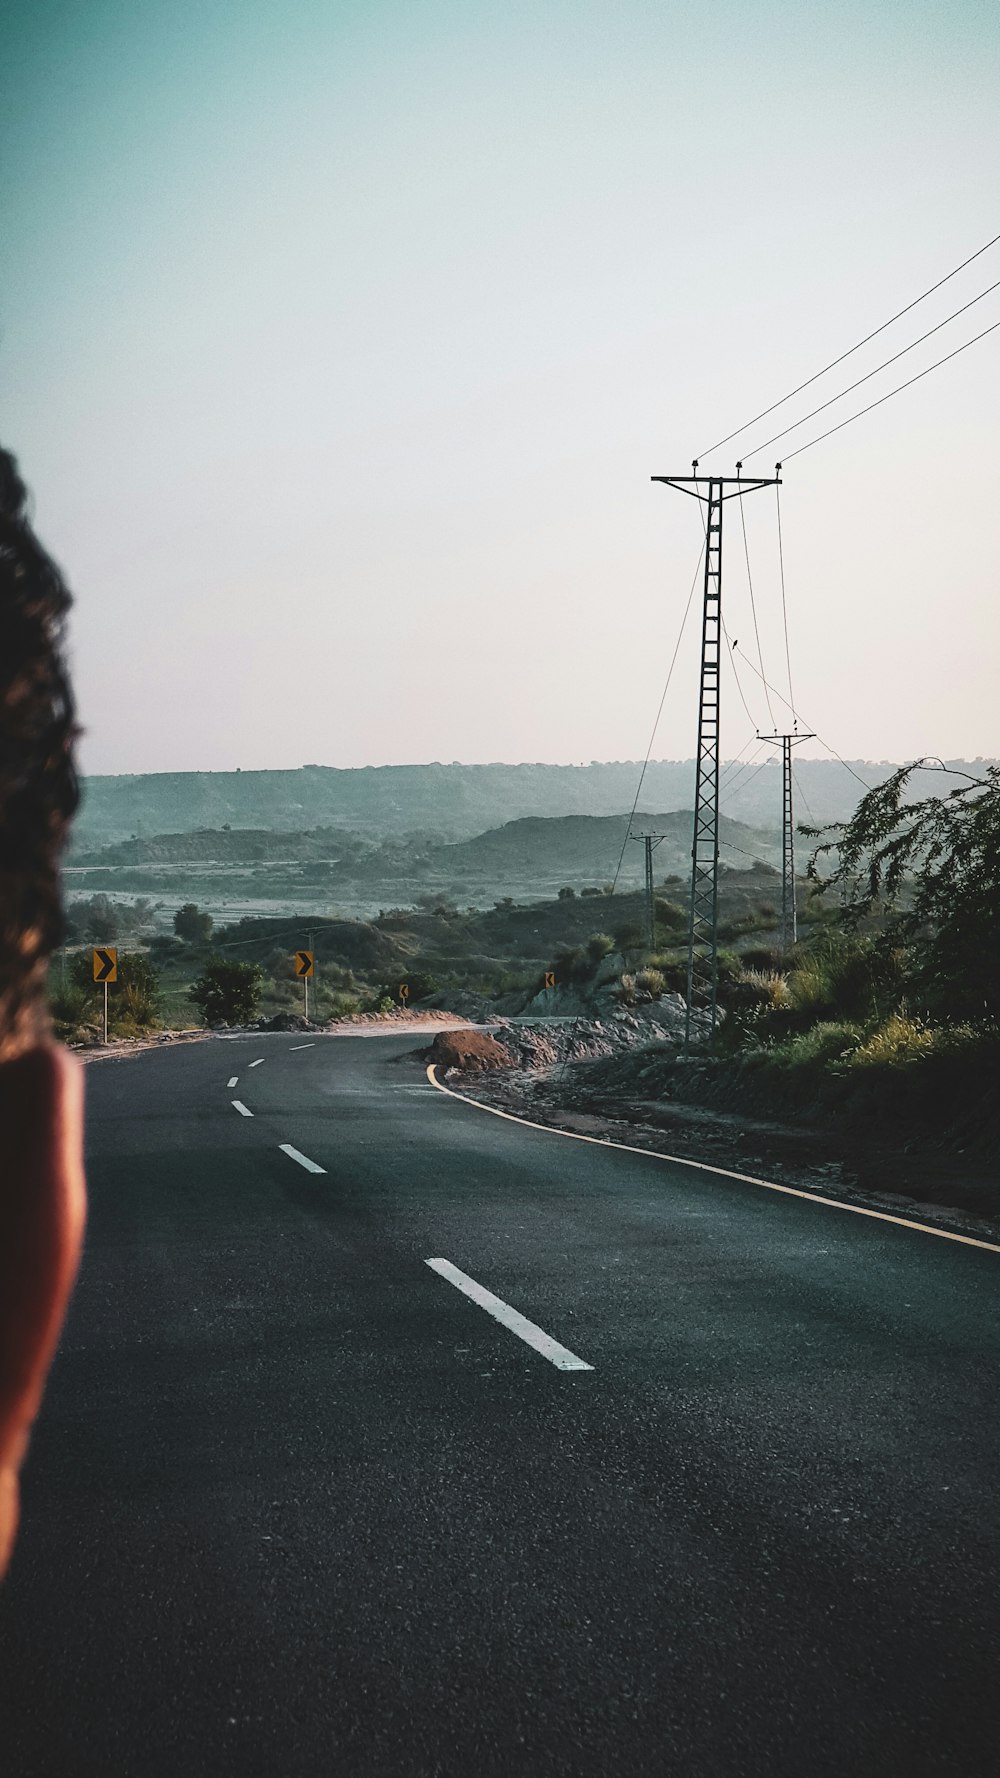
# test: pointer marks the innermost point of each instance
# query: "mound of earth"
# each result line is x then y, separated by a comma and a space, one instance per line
473, 1052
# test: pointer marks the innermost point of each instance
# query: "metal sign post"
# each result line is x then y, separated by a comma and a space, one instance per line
305, 964
105, 966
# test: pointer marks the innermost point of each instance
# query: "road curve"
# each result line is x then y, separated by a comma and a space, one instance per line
302, 1503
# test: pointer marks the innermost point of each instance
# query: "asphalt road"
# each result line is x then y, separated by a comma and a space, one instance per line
298, 1505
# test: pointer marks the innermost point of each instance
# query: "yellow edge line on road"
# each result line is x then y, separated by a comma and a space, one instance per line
676, 1160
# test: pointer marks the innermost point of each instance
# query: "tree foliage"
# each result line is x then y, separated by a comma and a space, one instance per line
193, 926
929, 872
103, 921
227, 992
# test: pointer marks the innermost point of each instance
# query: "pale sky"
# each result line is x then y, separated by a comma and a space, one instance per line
339, 344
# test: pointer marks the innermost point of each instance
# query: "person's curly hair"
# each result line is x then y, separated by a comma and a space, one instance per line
38, 783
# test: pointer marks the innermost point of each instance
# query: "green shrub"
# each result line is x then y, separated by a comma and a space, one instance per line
599, 946
809, 988
137, 1003
191, 925
763, 957
673, 968
227, 992
897, 1043
73, 1011
650, 982
766, 988
570, 963
829, 1041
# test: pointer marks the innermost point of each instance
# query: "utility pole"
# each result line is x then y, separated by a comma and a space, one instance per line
703, 919
789, 910
650, 842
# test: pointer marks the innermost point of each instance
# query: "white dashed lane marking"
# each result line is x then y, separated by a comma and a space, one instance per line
560, 1356
300, 1046
257, 1063
239, 1106
232, 1083
303, 1159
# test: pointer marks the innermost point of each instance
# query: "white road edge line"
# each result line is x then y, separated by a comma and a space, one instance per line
300, 1046
239, 1106
303, 1159
676, 1160
257, 1063
232, 1083
560, 1356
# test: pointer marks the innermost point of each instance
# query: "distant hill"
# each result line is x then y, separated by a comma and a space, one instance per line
238, 845
575, 847
527, 859
453, 802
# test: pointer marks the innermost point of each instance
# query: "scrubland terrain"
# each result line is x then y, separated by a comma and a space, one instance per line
321, 871
879, 1026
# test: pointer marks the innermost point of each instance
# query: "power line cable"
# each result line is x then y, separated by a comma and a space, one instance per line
745, 785
898, 391
733, 765
800, 718
802, 796
784, 601
753, 607
741, 780
736, 783
263, 938
851, 349
743, 851
659, 713
638, 791
739, 686
756, 449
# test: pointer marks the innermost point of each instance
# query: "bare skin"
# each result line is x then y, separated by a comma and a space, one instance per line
42, 1213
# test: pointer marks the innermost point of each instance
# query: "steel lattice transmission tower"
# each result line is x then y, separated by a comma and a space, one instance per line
789, 910
650, 842
703, 921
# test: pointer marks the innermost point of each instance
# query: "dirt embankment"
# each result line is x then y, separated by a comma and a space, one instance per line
551, 1043
469, 1052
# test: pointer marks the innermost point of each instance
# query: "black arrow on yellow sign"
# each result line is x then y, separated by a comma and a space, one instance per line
105, 963
550, 978
305, 963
